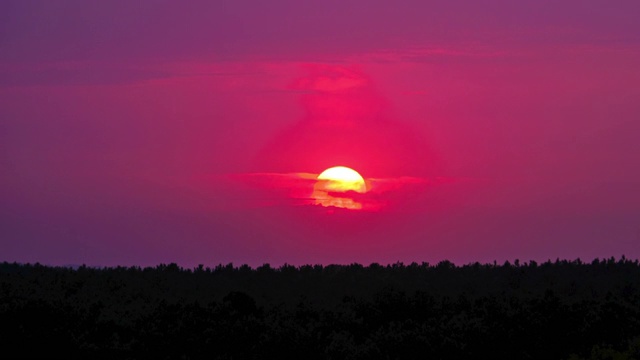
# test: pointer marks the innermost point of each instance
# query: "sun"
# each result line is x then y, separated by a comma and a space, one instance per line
342, 179
339, 187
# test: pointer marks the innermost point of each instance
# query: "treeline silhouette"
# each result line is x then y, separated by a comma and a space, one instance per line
552, 310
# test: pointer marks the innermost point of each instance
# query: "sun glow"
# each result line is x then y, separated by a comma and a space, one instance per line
341, 179
334, 185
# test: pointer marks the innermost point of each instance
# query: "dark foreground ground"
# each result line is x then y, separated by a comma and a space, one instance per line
554, 310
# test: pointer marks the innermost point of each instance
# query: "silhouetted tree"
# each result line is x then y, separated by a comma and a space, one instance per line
561, 310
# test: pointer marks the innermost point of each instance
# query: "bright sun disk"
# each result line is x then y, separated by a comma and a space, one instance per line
342, 179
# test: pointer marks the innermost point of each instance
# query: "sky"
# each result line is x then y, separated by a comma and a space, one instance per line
140, 133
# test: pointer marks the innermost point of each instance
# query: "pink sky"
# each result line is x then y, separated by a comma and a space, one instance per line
135, 134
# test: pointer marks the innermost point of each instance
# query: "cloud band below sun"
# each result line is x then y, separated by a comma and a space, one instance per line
305, 189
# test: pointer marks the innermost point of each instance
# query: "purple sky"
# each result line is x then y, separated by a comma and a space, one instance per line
166, 131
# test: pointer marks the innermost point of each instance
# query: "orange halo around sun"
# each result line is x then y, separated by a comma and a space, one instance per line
333, 186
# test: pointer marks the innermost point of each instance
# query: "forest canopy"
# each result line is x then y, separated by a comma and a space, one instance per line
557, 309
